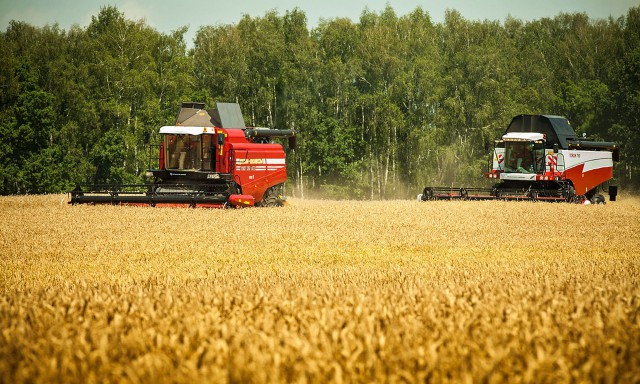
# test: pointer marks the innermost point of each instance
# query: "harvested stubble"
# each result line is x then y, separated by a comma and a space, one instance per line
320, 291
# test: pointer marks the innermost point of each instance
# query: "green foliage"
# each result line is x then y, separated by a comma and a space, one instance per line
585, 105
332, 154
109, 154
382, 106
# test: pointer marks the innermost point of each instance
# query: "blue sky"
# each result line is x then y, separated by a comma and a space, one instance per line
166, 16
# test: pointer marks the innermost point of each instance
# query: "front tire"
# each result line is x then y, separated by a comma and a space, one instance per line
598, 199
272, 197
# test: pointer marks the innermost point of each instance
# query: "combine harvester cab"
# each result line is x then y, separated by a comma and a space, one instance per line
209, 158
541, 158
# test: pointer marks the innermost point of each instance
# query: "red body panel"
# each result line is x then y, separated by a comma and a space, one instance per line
242, 200
256, 167
161, 158
586, 181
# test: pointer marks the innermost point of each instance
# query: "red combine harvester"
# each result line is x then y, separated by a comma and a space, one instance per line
209, 158
541, 158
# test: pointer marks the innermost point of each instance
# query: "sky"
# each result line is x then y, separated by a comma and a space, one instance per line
166, 16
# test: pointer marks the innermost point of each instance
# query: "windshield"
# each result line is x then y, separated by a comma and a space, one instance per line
524, 157
189, 152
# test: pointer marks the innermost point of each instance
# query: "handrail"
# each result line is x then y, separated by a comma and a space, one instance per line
558, 155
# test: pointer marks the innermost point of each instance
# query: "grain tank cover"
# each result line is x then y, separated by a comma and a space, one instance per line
224, 115
556, 128
227, 115
193, 115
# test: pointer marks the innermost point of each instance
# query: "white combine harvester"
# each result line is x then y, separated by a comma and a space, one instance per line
540, 157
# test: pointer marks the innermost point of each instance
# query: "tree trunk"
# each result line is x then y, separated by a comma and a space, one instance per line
300, 182
379, 177
371, 173
386, 173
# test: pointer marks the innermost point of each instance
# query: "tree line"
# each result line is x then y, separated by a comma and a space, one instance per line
382, 106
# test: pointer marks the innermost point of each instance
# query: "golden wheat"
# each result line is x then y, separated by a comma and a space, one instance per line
317, 291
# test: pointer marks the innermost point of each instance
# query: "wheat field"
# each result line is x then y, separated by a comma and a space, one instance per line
320, 291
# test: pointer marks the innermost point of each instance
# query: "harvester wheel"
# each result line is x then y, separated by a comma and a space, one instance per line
569, 193
427, 194
578, 199
272, 197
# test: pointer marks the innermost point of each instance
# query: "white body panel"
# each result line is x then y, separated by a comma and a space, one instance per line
183, 130
523, 136
498, 159
518, 176
592, 160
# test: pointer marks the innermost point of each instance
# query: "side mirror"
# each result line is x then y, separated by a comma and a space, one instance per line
220, 138
555, 148
292, 142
